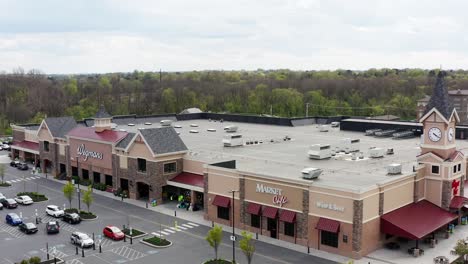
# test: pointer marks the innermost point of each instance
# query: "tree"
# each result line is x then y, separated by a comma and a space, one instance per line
214, 237
88, 197
2, 172
247, 246
460, 248
69, 192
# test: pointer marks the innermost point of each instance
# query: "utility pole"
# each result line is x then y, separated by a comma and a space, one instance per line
233, 237
307, 109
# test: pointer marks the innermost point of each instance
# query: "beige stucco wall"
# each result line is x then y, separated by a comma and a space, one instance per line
44, 134
345, 216
292, 193
193, 166
222, 181
139, 150
371, 207
398, 195
123, 162
434, 191
30, 135
62, 149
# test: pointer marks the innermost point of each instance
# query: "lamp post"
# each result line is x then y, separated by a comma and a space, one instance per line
233, 237
78, 183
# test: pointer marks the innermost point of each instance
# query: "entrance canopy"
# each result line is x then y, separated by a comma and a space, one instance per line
458, 202
416, 220
26, 146
189, 181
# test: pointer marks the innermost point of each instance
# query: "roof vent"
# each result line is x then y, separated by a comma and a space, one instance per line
311, 173
165, 122
193, 125
319, 151
230, 129
376, 153
193, 131
323, 128
390, 151
148, 123
211, 130
177, 126
131, 124
394, 169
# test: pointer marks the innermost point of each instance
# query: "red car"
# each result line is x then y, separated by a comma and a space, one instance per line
113, 232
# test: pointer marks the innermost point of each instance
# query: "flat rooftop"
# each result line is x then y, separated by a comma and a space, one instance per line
278, 158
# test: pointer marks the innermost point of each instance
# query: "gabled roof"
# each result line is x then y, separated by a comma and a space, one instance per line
60, 126
102, 113
440, 99
90, 133
124, 142
163, 140
454, 155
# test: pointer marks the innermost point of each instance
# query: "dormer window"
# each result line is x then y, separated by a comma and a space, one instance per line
459, 167
141, 165
435, 169
46, 146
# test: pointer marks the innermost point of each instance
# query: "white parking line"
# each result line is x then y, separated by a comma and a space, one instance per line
164, 233
181, 227
156, 234
188, 226
169, 230
193, 224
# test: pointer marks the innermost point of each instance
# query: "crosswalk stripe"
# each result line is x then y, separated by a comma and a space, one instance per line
14, 181
156, 234
188, 226
193, 224
169, 230
164, 233
181, 227
28, 179
173, 228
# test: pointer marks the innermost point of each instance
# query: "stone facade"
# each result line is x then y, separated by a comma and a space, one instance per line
303, 219
381, 203
51, 156
446, 194
357, 224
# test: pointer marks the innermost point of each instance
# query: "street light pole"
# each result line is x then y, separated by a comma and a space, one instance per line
78, 190
233, 238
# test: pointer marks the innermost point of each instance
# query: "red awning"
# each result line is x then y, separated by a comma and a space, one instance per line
254, 208
270, 212
288, 216
329, 225
189, 179
221, 201
458, 202
26, 145
416, 220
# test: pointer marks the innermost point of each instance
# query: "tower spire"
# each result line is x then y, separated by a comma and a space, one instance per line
440, 99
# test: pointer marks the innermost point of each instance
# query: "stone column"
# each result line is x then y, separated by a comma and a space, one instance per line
446, 194
241, 200
303, 219
381, 203
357, 225
205, 194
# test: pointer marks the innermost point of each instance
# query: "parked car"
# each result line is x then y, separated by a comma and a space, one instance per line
1, 206
22, 166
6, 147
13, 219
54, 211
113, 232
28, 228
71, 218
14, 163
24, 199
9, 203
52, 227
81, 239
2, 196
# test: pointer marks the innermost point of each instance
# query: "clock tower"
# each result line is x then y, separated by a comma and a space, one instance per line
444, 165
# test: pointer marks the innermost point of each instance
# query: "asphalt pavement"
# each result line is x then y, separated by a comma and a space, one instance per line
189, 244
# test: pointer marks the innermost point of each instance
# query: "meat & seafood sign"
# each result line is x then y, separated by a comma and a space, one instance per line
278, 198
86, 153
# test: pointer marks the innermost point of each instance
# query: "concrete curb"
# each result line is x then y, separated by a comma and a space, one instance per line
142, 235
151, 245
82, 219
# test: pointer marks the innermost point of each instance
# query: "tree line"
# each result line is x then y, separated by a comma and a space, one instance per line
30, 96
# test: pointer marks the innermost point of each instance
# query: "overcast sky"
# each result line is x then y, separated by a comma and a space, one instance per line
121, 36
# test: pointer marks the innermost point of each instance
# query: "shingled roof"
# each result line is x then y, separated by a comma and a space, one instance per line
163, 140
60, 126
124, 142
102, 113
440, 99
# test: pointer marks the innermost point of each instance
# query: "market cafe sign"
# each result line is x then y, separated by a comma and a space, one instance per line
278, 198
86, 153
330, 206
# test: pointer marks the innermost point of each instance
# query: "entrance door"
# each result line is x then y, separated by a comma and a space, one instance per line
108, 180
271, 226
143, 191
124, 184
96, 177
63, 168
85, 174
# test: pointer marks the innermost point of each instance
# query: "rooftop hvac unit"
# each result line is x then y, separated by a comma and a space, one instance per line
335, 124
371, 132
166, 122
323, 128
376, 153
319, 151
233, 140
385, 133
148, 124
211, 130
403, 134
230, 129
349, 145
394, 168
311, 173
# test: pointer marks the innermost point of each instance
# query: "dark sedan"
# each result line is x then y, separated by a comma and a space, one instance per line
22, 166
14, 163
28, 228
52, 227
9, 203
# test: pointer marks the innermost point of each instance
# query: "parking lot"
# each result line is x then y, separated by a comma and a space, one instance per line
189, 245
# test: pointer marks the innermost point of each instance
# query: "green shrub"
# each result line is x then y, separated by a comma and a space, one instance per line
157, 241
76, 179
35, 260
87, 215
99, 186
135, 232
4, 184
85, 182
24, 261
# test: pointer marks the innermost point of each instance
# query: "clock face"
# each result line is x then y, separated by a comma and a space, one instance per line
435, 134
451, 134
